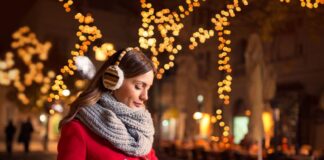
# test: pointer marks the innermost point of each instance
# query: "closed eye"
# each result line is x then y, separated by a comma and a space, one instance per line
138, 86
141, 85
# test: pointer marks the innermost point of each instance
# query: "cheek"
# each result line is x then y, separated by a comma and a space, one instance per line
127, 94
132, 94
130, 98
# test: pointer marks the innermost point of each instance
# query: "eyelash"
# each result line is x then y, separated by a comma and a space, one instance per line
137, 87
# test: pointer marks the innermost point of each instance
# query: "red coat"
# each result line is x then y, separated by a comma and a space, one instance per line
77, 142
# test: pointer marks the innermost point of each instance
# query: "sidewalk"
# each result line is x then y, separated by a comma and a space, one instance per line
36, 151
35, 146
30, 156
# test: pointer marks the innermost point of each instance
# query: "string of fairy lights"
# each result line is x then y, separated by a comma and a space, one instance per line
87, 33
221, 23
27, 47
308, 3
169, 25
202, 35
67, 5
225, 128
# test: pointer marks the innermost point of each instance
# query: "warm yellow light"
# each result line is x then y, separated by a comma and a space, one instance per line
226, 128
205, 125
197, 115
213, 119
268, 123
225, 139
215, 138
59, 77
248, 113
100, 55
222, 124
66, 92
268, 127
171, 57
166, 66
51, 111
158, 76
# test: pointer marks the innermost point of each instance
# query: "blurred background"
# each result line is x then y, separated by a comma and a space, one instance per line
241, 79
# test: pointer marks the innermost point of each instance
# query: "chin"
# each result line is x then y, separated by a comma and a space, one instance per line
135, 106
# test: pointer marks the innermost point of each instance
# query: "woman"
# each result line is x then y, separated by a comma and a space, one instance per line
108, 120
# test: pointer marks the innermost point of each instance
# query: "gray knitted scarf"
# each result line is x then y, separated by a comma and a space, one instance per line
130, 130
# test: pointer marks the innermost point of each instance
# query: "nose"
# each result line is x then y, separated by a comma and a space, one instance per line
144, 95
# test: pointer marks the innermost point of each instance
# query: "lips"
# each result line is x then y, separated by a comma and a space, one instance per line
137, 104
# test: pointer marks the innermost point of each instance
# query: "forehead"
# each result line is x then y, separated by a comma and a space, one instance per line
146, 78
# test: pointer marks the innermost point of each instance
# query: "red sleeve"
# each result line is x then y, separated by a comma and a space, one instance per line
152, 155
71, 144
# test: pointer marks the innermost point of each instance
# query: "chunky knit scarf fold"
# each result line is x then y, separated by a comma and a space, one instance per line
130, 130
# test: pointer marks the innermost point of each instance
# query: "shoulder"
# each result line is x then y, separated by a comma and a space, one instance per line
72, 144
73, 128
152, 155
75, 124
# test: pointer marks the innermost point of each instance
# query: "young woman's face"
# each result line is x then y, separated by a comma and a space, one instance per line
134, 91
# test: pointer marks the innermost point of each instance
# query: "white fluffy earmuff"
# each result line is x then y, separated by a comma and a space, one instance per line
113, 77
